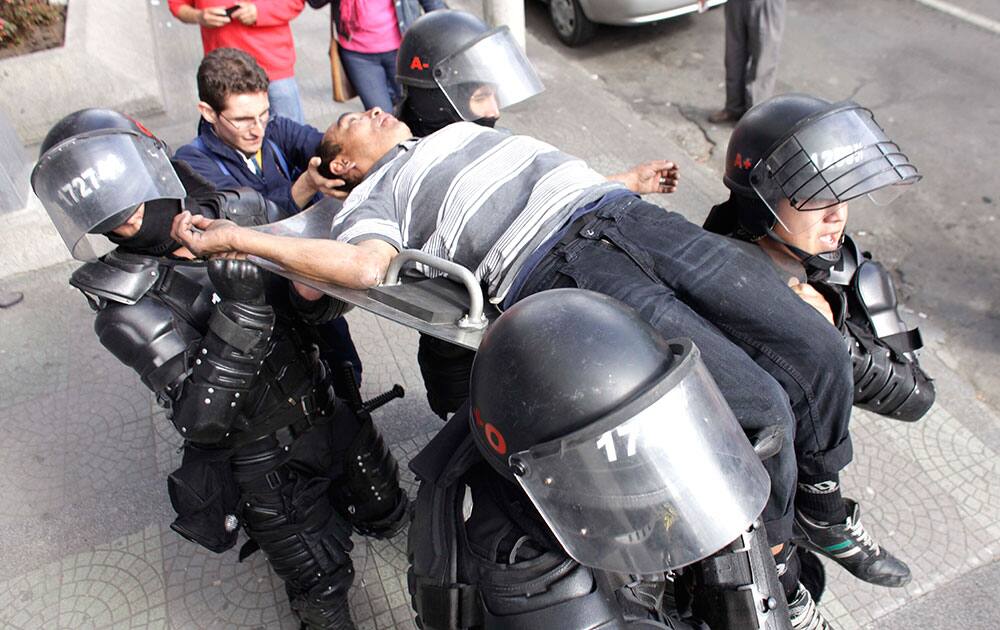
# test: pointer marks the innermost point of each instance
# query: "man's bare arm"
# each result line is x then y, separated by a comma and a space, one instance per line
354, 266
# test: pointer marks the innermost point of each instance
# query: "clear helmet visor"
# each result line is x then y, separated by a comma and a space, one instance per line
490, 74
663, 482
92, 183
832, 159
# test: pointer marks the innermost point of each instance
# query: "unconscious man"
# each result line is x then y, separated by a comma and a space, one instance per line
228, 350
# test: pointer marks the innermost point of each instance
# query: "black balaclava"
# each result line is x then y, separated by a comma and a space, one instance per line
153, 237
426, 110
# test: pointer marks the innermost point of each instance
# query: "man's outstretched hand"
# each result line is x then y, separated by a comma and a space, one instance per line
656, 176
204, 236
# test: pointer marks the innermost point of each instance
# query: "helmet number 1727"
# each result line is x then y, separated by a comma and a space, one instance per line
80, 187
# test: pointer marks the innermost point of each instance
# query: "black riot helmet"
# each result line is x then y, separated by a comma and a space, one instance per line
94, 169
757, 131
620, 438
811, 155
449, 58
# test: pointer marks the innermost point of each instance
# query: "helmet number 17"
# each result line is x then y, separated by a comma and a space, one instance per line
627, 432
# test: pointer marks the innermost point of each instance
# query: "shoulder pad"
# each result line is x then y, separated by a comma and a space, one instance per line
876, 294
850, 258
146, 337
117, 280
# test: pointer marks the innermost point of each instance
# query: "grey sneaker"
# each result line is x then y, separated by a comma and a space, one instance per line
851, 546
804, 613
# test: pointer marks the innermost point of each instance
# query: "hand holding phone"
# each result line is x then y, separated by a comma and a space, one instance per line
245, 12
214, 17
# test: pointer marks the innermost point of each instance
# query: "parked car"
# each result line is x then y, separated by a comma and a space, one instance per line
576, 20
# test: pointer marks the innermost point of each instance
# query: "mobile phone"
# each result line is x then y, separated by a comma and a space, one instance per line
232, 9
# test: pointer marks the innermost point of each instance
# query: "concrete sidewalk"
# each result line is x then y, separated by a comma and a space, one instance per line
84, 537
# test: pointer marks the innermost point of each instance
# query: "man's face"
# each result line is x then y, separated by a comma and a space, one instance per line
364, 137
812, 231
131, 226
241, 122
483, 103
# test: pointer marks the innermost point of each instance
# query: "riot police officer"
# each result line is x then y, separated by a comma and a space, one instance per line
793, 164
572, 498
227, 349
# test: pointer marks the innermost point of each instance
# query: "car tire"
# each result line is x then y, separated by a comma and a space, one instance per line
572, 26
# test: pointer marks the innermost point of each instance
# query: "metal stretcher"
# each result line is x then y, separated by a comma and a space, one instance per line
450, 307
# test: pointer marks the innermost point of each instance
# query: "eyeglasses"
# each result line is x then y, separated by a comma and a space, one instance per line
244, 124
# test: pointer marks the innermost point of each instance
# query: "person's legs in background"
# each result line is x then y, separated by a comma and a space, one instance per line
736, 59
285, 100
764, 29
368, 76
388, 61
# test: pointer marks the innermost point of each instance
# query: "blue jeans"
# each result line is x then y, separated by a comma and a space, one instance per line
775, 359
285, 101
373, 77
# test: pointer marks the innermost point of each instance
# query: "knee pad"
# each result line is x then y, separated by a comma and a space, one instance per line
325, 606
369, 493
292, 520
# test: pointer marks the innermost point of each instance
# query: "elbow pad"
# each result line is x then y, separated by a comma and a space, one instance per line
886, 384
225, 366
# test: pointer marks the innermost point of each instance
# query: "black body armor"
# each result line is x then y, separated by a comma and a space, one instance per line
888, 379
242, 382
481, 557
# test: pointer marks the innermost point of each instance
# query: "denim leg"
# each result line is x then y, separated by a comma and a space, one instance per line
388, 60
757, 400
741, 294
285, 101
368, 77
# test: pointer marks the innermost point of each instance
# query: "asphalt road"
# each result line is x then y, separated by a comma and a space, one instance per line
933, 81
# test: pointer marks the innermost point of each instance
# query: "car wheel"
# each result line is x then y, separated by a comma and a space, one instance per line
571, 25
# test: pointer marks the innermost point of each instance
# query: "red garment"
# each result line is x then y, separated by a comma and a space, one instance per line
269, 40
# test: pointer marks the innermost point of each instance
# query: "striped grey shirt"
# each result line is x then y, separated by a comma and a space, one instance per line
476, 196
